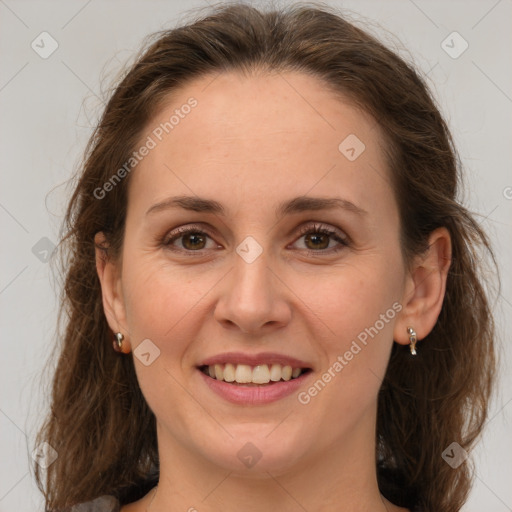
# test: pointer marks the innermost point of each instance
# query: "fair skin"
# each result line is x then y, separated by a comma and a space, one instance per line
250, 144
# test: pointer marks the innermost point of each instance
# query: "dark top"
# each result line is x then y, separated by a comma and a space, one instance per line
109, 503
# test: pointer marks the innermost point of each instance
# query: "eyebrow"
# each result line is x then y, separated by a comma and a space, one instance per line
295, 205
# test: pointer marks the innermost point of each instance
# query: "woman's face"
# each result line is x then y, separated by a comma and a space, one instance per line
258, 280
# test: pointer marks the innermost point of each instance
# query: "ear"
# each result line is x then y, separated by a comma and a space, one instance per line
425, 288
109, 276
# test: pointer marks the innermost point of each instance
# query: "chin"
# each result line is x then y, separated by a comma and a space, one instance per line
256, 450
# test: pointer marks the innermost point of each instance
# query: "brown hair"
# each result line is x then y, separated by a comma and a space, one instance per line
100, 425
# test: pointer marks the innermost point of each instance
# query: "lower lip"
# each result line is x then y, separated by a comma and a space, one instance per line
254, 395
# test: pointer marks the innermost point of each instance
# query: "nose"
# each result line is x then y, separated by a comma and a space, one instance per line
254, 298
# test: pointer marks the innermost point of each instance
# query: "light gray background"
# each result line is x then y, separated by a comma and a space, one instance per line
48, 107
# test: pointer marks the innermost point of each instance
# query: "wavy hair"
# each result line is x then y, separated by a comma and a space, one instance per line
100, 424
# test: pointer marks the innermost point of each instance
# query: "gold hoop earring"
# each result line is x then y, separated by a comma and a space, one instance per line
118, 343
413, 339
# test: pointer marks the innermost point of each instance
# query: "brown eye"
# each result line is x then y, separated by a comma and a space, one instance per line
317, 239
192, 240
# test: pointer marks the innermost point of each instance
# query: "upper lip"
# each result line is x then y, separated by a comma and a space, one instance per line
255, 359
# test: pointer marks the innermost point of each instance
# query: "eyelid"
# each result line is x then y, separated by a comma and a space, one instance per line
176, 233
342, 239
310, 227
319, 227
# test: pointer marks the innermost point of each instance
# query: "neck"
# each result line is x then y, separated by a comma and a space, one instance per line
342, 478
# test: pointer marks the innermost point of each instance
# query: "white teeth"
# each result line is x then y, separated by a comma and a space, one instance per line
286, 372
229, 372
261, 374
275, 372
245, 374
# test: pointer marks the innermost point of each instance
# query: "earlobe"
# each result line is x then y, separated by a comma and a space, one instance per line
425, 288
108, 275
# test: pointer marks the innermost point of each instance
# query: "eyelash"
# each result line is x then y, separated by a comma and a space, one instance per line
306, 230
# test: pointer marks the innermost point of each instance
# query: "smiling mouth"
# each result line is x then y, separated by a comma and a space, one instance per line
246, 375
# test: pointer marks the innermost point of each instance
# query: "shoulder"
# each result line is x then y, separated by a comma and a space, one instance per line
105, 503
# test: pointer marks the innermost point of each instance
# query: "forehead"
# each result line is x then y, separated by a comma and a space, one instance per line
270, 134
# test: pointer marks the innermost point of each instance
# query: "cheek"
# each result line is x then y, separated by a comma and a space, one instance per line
161, 304
352, 300
158, 301
359, 308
